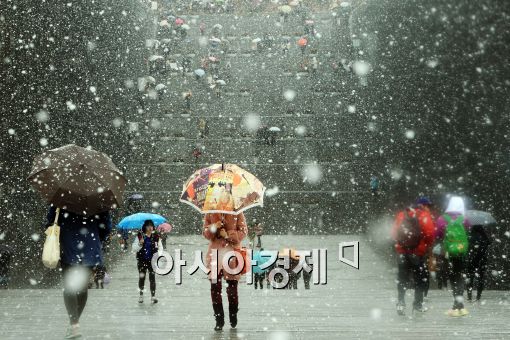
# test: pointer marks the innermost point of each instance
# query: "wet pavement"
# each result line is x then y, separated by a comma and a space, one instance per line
353, 304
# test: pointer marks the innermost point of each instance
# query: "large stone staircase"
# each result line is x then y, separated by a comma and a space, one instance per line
315, 109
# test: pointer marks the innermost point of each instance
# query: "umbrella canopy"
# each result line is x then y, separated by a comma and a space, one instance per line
225, 188
221, 82
275, 129
163, 23
153, 43
285, 9
150, 79
477, 217
135, 197
199, 72
302, 42
155, 57
214, 59
136, 221
260, 261
164, 228
160, 87
179, 21
218, 27
215, 40
83, 181
185, 27
256, 40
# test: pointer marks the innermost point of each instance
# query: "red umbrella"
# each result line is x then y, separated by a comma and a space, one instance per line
164, 228
302, 42
179, 21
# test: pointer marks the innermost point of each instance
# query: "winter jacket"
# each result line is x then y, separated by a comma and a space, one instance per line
236, 229
455, 208
441, 224
153, 239
81, 236
427, 228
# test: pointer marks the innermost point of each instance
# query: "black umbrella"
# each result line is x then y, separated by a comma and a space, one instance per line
77, 179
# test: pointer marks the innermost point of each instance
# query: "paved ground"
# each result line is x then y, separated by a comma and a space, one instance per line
353, 304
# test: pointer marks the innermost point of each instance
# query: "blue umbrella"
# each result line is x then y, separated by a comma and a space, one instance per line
135, 221
260, 260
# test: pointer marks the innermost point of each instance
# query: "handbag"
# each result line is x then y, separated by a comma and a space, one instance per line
247, 261
160, 247
51, 248
135, 247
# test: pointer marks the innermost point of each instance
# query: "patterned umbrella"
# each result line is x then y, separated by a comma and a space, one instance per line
83, 181
225, 188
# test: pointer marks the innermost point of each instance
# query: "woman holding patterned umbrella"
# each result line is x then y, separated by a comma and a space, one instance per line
222, 192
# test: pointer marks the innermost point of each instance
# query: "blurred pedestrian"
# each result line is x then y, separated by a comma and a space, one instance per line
99, 274
203, 128
187, 100
425, 204
452, 229
293, 276
307, 275
413, 232
80, 247
259, 273
5, 264
479, 243
374, 185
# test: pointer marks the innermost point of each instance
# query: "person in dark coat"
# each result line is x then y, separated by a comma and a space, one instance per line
477, 260
148, 241
307, 275
5, 263
80, 247
99, 274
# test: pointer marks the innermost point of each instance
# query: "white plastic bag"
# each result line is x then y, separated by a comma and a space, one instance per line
135, 248
51, 249
437, 249
160, 247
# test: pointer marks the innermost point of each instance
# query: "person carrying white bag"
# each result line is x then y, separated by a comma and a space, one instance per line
78, 240
51, 249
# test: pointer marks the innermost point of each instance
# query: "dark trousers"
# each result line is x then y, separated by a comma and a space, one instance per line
477, 266
456, 268
216, 296
143, 267
76, 279
259, 279
306, 278
415, 265
442, 272
293, 279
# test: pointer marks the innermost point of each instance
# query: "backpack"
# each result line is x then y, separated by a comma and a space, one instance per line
409, 233
455, 240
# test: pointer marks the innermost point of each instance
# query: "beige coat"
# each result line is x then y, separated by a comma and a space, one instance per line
236, 230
